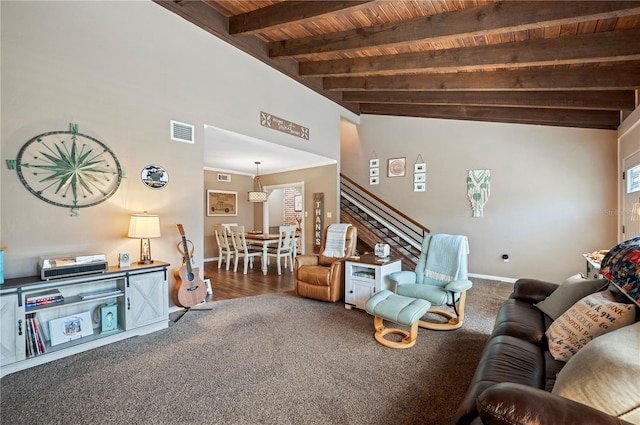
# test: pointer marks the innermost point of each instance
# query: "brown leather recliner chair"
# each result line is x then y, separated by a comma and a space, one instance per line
320, 277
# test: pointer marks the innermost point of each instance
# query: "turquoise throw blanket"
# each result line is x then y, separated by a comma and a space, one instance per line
446, 258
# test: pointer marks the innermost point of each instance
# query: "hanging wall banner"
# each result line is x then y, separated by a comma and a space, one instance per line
280, 124
478, 190
318, 221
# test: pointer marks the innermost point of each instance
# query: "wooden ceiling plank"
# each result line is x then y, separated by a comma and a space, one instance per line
285, 13
621, 77
613, 100
483, 20
599, 47
609, 120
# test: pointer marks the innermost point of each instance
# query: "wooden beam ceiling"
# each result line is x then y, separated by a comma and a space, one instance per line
565, 63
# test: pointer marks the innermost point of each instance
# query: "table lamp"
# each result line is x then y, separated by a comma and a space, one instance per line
144, 227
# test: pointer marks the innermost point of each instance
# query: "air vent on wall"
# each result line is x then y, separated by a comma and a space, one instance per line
224, 178
181, 132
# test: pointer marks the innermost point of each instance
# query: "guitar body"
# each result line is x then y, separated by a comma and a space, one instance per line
189, 292
190, 289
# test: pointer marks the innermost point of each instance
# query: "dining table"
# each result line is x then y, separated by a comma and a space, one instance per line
266, 239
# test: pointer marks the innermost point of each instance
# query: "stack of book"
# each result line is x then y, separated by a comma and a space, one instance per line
35, 346
44, 298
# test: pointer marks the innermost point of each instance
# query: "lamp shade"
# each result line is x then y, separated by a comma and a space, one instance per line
144, 226
621, 266
257, 196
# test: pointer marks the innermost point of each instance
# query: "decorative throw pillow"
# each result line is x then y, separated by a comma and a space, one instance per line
604, 374
568, 293
587, 319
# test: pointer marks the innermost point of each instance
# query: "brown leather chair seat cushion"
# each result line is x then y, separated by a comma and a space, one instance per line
314, 275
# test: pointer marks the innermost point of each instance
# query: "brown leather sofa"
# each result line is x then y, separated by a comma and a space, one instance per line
516, 373
320, 277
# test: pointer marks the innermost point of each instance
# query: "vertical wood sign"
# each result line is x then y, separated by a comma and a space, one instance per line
318, 221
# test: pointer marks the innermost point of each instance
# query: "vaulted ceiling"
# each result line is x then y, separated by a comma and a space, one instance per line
561, 63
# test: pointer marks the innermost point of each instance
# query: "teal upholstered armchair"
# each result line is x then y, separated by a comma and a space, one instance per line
440, 277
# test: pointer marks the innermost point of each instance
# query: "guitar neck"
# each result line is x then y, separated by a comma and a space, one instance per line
185, 248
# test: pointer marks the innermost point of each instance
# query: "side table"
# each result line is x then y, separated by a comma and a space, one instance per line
365, 276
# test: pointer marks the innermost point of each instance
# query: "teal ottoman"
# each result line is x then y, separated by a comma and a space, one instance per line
385, 305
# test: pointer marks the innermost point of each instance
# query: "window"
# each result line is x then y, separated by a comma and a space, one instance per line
633, 179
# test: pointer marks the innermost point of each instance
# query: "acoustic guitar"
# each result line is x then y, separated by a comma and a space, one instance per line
190, 289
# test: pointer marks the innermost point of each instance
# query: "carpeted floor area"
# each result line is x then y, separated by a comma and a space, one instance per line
268, 359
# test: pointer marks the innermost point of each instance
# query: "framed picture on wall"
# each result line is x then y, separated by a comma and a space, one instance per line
373, 172
419, 177
419, 187
396, 167
297, 203
374, 163
222, 203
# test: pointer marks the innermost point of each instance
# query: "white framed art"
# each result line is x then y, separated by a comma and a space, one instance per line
419, 187
419, 177
68, 328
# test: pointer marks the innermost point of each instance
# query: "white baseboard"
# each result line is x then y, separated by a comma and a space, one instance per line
489, 277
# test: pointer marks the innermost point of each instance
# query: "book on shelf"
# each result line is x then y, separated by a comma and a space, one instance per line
43, 302
41, 297
34, 341
99, 294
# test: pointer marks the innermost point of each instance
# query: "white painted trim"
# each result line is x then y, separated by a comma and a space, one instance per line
628, 124
489, 277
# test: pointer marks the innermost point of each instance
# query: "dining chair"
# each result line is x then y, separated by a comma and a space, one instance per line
285, 248
224, 249
247, 253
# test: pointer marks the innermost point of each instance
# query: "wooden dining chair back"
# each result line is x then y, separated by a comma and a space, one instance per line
244, 251
225, 250
285, 248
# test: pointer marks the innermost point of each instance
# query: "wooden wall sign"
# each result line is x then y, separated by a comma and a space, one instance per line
280, 124
318, 221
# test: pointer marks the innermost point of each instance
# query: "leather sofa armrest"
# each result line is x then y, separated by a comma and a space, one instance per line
306, 260
532, 290
509, 403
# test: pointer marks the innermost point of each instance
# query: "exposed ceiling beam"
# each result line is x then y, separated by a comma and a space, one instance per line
625, 77
614, 100
476, 21
285, 13
606, 120
599, 47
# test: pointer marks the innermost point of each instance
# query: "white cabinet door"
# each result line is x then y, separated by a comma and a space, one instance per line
362, 291
147, 299
12, 328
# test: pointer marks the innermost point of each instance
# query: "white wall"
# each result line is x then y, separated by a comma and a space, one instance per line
553, 190
122, 71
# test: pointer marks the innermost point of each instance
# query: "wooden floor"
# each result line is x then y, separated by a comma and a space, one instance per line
227, 284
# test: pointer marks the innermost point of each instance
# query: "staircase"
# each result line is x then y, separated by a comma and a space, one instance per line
379, 222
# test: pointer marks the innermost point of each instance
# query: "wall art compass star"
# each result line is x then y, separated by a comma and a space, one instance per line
69, 169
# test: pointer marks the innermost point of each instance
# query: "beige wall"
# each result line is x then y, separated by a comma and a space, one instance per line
122, 71
553, 190
315, 179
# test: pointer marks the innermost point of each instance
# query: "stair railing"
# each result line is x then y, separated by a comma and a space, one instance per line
395, 221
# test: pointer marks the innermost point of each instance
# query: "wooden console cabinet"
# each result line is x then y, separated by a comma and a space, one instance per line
365, 276
139, 294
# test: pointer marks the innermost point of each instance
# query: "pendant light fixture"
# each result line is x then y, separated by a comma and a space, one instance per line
257, 194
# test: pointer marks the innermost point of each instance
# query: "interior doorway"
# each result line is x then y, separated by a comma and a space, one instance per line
284, 207
631, 197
